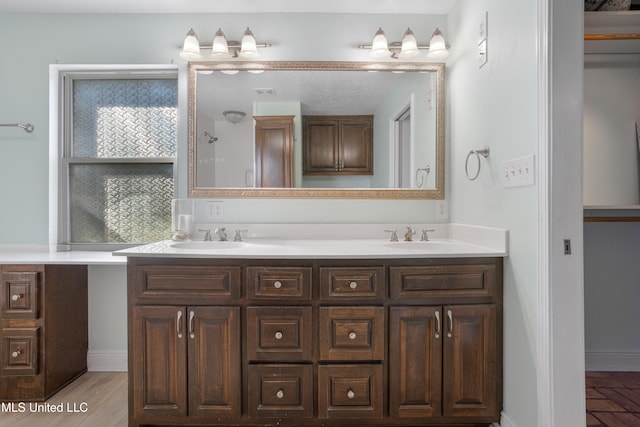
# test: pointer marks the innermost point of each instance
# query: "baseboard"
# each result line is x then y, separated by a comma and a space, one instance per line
505, 421
612, 361
106, 361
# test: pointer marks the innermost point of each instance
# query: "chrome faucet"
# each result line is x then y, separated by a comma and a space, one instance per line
408, 235
221, 233
425, 236
207, 234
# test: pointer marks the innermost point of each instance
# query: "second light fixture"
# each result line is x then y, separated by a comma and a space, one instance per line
408, 47
221, 47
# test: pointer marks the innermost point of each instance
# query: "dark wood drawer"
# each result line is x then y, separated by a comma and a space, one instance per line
279, 283
410, 282
351, 333
338, 283
20, 348
20, 295
279, 334
177, 284
350, 391
280, 391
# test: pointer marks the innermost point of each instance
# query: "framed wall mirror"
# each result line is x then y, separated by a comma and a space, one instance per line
352, 130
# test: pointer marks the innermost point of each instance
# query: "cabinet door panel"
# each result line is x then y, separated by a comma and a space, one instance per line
320, 146
274, 151
470, 361
214, 361
159, 360
415, 361
356, 151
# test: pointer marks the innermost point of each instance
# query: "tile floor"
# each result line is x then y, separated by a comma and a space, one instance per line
613, 399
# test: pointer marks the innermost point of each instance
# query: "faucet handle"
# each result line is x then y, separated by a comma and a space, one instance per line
207, 234
425, 236
394, 235
238, 236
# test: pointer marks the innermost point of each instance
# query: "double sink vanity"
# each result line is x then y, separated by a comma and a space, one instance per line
305, 331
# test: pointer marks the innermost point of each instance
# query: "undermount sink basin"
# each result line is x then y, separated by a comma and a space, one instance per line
418, 246
207, 245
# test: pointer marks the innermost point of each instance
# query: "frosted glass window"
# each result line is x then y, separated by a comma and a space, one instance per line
118, 168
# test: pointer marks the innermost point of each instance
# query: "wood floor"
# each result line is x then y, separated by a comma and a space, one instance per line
101, 395
613, 399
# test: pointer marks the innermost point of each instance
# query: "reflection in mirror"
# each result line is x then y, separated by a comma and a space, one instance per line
321, 129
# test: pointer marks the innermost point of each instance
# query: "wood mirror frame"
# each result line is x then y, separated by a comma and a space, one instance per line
194, 191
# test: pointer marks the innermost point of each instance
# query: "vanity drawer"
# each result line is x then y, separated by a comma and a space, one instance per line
279, 334
20, 295
20, 351
280, 391
350, 391
279, 283
177, 284
351, 333
469, 281
339, 283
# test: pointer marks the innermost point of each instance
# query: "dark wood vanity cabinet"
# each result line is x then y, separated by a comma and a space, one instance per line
44, 332
235, 342
337, 145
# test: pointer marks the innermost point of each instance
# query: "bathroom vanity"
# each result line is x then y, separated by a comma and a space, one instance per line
294, 336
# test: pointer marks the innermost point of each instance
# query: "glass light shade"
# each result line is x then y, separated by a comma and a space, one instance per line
409, 45
191, 47
248, 47
437, 46
220, 47
379, 46
234, 117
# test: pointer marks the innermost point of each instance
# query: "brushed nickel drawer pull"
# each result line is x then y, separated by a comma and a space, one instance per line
438, 326
352, 335
279, 335
353, 285
351, 394
16, 353
192, 333
280, 394
277, 284
15, 297
179, 324
450, 316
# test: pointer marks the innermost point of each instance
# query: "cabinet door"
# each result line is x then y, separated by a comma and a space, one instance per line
158, 350
321, 146
356, 146
214, 361
415, 361
274, 151
470, 361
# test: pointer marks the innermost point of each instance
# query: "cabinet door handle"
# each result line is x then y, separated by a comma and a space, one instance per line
351, 394
280, 394
352, 335
192, 332
450, 316
179, 324
337, 164
353, 284
277, 284
16, 353
438, 326
279, 335
15, 297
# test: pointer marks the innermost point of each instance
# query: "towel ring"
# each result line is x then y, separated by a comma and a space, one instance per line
484, 153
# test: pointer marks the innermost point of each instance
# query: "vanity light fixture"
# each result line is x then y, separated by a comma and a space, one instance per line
221, 47
408, 47
234, 117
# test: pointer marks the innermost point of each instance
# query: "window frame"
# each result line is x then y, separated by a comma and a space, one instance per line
61, 148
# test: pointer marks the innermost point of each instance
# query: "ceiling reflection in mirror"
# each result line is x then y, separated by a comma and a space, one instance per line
251, 122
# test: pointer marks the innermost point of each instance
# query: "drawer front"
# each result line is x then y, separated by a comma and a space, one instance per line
20, 295
280, 391
338, 283
350, 391
176, 284
351, 333
279, 334
474, 281
279, 283
20, 349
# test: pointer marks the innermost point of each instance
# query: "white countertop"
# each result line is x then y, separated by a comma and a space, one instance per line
294, 241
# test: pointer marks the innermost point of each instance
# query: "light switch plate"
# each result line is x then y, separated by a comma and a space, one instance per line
518, 172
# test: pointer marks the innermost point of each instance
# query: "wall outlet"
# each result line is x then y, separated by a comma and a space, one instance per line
442, 209
215, 210
518, 172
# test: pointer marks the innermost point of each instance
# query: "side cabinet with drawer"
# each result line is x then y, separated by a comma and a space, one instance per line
43, 340
315, 342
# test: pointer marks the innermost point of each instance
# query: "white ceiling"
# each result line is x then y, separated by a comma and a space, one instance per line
228, 6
